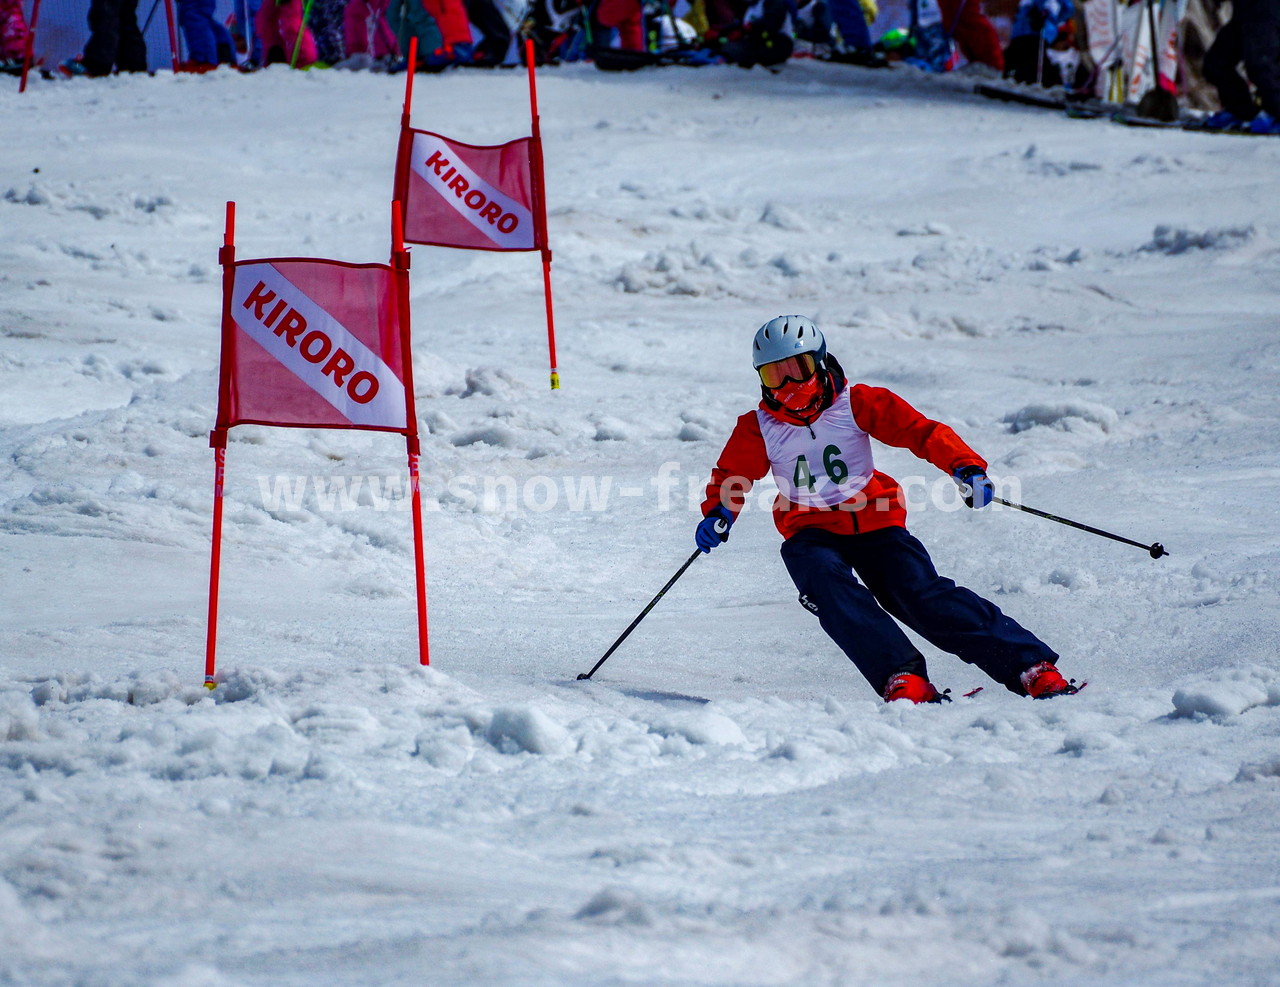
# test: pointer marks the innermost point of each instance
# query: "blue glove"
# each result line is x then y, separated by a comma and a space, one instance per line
975, 484
714, 528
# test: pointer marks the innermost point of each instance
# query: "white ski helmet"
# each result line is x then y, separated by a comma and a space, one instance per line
787, 335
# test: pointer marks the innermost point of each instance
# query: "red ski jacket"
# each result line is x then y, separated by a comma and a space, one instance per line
879, 503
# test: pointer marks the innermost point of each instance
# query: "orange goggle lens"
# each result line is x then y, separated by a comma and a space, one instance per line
798, 368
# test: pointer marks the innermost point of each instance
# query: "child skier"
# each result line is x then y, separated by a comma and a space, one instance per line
838, 515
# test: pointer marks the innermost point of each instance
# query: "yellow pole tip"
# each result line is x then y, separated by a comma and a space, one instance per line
210, 684
555, 382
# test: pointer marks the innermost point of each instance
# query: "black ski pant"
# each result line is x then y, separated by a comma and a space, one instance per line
1251, 36
114, 38
899, 581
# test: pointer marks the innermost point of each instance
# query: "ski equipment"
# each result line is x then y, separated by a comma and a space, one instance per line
1044, 681
652, 603
975, 485
790, 354
1155, 548
714, 528
787, 335
908, 685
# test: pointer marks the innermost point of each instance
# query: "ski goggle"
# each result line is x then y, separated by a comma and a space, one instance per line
798, 368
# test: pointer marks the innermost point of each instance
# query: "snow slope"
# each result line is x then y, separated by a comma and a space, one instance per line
1092, 307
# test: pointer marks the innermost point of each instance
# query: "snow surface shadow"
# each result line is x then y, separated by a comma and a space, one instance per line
657, 696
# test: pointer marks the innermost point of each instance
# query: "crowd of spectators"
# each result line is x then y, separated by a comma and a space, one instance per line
1045, 46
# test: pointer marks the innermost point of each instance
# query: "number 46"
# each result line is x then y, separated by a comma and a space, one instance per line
835, 468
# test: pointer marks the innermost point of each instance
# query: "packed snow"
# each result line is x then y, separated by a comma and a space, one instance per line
1094, 308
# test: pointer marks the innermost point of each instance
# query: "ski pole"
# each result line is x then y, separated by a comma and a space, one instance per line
297, 44
152, 14
1155, 548
721, 528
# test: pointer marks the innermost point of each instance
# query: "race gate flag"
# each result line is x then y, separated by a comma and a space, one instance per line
476, 197
315, 344
312, 343
461, 195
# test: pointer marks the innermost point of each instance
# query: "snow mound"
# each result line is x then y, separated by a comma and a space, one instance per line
701, 727
137, 689
18, 718
490, 382
498, 436
1179, 240
1259, 770
615, 906
783, 218
526, 728
1228, 692
1066, 416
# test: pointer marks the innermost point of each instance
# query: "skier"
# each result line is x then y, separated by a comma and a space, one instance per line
838, 515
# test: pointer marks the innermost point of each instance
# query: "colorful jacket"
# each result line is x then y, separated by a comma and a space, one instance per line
825, 471
13, 31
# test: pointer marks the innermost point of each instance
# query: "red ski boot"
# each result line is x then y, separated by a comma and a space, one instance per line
908, 685
1044, 681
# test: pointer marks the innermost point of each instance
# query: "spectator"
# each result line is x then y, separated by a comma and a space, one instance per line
326, 23
559, 30
852, 18
13, 37
973, 32
815, 21
442, 30
115, 42
1042, 47
208, 41
627, 18
455, 34
368, 36
488, 17
937, 23
765, 36
1252, 36
243, 32
409, 19
711, 18
279, 25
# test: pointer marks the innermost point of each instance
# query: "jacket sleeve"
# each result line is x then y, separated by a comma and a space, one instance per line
743, 461
886, 417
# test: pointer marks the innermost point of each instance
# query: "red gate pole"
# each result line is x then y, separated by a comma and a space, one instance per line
401, 180
29, 53
173, 33
218, 441
400, 261
540, 219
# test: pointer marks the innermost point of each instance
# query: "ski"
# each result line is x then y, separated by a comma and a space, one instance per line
1043, 98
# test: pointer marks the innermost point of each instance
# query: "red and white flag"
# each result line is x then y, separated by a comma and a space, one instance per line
313, 344
463, 195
